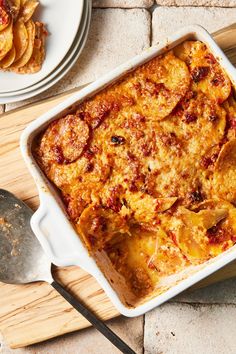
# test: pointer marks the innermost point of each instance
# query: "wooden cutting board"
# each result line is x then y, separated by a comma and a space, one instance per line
34, 312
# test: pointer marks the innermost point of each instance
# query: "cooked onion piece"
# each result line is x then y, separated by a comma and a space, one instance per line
206, 72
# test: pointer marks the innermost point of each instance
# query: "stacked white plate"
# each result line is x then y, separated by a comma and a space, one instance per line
68, 24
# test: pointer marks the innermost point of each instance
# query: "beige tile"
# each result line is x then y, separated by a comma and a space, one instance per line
167, 20
123, 3
89, 341
220, 293
115, 36
190, 329
220, 3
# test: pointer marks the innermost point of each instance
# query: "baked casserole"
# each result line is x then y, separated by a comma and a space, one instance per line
147, 167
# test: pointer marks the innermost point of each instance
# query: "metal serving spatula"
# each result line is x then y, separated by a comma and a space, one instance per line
22, 260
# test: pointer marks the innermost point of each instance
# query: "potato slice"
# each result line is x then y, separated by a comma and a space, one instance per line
5, 17
14, 6
38, 55
30, 27
98, 225
145, 207
160, 85
223, 235
156, 251
145, 257
20, 39
230, 108
8, 59
206, 72
198, 114
191, 232
65, 139
203, 218
207, 231
6, 41
27, 10
210, 204
224, 179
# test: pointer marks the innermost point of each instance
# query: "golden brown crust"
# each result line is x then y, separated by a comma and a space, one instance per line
148, 167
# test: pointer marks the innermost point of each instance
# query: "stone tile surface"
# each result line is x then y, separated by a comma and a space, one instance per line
221, 293
88, 341
123, 3
190, 329
167, 20
113, 39
220, 3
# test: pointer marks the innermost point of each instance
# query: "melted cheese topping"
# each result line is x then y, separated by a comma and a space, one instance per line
147, 167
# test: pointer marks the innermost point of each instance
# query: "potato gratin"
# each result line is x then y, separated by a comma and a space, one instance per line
147, 167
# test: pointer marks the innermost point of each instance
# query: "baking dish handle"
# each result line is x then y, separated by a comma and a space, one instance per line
57, 235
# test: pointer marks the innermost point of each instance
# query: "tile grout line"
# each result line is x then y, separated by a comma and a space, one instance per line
150, 29
150, 10
144, 320
201, 303
124, 8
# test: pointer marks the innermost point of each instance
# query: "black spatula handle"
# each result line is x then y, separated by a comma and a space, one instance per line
98, 324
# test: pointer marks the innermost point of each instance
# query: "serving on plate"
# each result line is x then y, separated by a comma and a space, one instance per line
60, 58
22, 40
141, 168
61, 70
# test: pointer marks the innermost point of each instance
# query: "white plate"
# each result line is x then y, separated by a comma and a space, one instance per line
62, 65
60, 74
62, 19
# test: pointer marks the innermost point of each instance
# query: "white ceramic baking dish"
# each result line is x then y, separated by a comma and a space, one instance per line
50, 222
